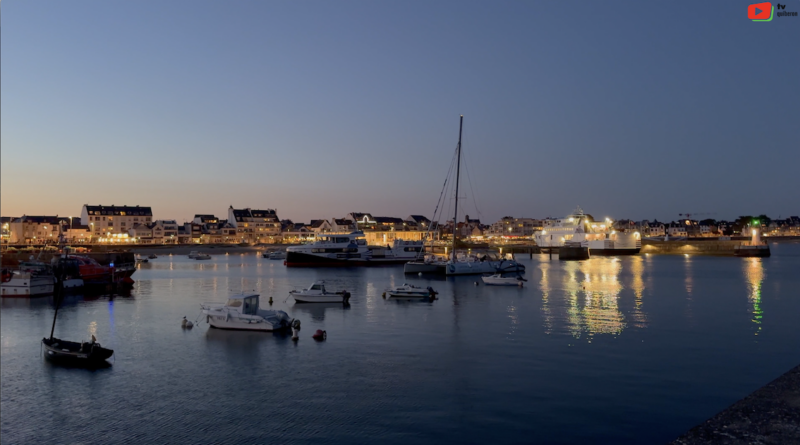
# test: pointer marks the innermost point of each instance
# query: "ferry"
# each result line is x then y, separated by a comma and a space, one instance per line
337, 250
598, 236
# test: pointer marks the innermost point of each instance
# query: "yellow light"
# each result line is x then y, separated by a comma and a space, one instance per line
754, 232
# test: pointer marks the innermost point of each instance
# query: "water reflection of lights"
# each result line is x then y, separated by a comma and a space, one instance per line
687, 263
600, 288
754, 273
512, 315
93, 328
637, 284
544, 284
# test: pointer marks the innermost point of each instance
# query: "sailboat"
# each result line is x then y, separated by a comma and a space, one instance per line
462, 263
79, 353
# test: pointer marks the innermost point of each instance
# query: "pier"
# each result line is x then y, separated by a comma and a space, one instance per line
770, 415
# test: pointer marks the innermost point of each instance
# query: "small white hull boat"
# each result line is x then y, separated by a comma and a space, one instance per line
278, 255
27, 284
499, 280
241, 312
409, 292
316, 293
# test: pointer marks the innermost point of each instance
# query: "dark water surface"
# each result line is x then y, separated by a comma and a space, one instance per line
628, 350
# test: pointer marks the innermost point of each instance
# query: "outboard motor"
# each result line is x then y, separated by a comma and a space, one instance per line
346, 297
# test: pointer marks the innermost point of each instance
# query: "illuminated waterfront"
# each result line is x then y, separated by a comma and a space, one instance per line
619, 350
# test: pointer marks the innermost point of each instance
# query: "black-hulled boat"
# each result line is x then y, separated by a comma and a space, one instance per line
76, 353
70, 351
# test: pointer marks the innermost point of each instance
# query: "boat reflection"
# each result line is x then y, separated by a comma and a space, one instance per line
316, 310
754, 273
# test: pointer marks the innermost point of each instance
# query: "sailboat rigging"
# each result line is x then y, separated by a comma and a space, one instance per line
463, 263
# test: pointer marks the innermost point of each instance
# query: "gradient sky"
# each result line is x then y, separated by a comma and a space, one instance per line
633, 109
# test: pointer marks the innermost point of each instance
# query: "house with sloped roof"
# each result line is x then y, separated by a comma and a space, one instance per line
110, 220
255, 226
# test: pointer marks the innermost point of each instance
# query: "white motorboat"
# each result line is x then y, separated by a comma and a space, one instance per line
499, 280
27, 283
408, 291
316, 293
193, 254
242, 312
277, 255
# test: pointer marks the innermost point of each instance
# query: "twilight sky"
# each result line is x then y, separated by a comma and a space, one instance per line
633, 109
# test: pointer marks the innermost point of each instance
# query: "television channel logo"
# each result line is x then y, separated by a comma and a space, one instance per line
760, 12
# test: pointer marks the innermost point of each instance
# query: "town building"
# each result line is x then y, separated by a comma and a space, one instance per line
107, 221
511, 227
255, 226
319, 226
342, 225
34, 230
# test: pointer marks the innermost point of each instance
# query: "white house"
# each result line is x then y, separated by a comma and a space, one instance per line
105, 221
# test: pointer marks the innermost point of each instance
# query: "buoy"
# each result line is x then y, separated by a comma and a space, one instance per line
320, 335
270, 301
420, 274
186, 324
295, 337
476, 283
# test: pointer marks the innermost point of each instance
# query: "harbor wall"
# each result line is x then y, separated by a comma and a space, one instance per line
696, 247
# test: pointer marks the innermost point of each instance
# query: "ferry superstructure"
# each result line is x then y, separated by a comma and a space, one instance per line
598, 236
350, 249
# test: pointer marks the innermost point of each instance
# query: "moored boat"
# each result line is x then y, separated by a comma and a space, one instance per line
75, 352
316, 293
27, 283
500, 280
242, 312
342, 250
408, 291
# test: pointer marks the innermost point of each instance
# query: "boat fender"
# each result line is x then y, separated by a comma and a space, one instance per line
383, 295
476, 283
296, 324
452, 268
320, 335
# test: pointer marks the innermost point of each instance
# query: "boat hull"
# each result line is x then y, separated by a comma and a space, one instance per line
28, 287
222, 321
752, 251
75, 353
318, 298
614, 252
299, 259
419, 267
471, 268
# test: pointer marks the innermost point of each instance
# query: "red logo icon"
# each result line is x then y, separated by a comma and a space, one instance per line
760, 11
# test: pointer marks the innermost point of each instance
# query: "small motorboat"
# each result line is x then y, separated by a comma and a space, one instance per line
242, 312
202, 256
74, 352
408, 291
499, 280
193, 254
278, 255
152, 256
316, 293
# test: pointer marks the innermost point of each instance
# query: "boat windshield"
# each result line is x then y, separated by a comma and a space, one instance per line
250, 305
235, 302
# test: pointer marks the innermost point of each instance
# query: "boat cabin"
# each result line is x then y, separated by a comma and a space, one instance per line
245, 303
318, 286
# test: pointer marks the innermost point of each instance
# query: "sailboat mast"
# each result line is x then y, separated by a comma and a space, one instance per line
458, 172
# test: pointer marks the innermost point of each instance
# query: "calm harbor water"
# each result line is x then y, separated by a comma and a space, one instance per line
609, 350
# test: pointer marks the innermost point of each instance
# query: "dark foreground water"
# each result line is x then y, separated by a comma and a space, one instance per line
628, 350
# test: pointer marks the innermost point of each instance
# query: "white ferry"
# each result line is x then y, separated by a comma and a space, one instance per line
598, 236
350, 250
